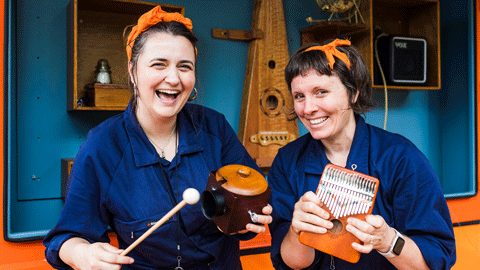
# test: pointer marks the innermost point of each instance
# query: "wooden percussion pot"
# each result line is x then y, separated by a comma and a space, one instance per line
234, 195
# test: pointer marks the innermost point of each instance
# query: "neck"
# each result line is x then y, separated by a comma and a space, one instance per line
161, 132
337, 149
337, 154
155, 128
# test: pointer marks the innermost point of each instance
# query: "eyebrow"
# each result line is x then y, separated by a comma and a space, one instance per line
165, 60
187, 61
158, 59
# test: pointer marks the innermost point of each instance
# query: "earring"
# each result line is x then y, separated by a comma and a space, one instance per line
192, 98
135, 90
134, 97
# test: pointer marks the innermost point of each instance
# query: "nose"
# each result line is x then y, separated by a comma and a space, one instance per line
172, 76
311, 106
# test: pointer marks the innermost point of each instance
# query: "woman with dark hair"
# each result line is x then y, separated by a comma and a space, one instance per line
410, 225
131, 169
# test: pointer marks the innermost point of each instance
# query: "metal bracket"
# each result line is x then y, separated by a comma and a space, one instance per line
231, 34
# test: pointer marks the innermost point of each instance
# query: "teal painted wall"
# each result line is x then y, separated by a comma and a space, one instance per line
41, 132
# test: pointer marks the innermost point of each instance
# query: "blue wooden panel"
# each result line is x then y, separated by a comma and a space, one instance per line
45, 132
457, 100
440, 123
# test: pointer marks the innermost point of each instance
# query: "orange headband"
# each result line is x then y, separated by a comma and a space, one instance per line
330, 50
153, 17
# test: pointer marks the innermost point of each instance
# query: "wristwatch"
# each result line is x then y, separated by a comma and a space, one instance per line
396, 247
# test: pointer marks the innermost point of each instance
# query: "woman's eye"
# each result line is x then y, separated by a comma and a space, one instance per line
297, 96
321, 92
159, 64
186, 67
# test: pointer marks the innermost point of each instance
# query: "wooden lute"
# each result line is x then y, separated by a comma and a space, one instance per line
264, 126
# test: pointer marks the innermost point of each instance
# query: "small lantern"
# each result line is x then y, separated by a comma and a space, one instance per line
103, 72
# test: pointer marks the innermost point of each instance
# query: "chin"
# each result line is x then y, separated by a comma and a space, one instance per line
319, 135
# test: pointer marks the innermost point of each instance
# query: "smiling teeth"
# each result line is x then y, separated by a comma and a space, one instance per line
170, 92
318, 121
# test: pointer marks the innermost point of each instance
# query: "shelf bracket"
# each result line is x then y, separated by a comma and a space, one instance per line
243, 35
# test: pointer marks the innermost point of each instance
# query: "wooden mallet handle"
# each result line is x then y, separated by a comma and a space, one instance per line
190, 196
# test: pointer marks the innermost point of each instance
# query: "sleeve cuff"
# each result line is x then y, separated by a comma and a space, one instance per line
435, 254
52, 251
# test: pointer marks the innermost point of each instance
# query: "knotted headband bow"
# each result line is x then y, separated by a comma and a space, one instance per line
153, 17
330, 50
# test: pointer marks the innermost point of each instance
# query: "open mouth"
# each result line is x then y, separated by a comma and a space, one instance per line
167, 95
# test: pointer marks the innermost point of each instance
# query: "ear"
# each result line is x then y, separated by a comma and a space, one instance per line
355, 97
130, 72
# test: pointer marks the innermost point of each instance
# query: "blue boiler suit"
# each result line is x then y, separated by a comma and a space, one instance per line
409, 198
117, 181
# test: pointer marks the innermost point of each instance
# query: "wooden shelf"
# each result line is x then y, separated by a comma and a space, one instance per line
416, 18
331, 29
95, 31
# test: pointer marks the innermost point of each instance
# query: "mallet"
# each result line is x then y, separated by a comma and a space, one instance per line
190, 196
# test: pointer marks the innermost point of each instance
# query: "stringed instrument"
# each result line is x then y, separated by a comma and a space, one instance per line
264, 126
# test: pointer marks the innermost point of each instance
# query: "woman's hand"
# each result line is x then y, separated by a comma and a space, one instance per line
80, 254
308, 215
102, 256
264, 219
374, 232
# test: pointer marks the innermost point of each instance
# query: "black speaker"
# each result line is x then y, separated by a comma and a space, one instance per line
403, 60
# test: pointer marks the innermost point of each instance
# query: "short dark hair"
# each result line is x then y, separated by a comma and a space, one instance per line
356, 78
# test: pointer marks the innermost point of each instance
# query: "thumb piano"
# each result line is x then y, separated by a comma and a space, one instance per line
344, 193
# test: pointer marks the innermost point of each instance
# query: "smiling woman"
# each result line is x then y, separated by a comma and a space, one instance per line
132, 167
410, 226
163, 78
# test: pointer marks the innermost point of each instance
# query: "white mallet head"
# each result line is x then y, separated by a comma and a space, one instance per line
191, 196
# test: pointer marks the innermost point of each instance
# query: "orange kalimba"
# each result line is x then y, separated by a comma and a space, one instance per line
344, 193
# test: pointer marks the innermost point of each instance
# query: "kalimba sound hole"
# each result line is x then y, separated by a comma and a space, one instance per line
337, 226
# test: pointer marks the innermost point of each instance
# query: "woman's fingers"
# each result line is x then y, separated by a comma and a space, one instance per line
256, 228
374, 232
309, 216
310, 203
267, 210
106, 256
310, 197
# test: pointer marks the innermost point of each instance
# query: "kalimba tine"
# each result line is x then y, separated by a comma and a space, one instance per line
344, 193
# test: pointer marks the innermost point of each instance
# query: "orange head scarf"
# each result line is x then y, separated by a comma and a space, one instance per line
153, 17
330, 50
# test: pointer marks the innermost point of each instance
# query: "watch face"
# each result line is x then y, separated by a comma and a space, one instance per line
397, 249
